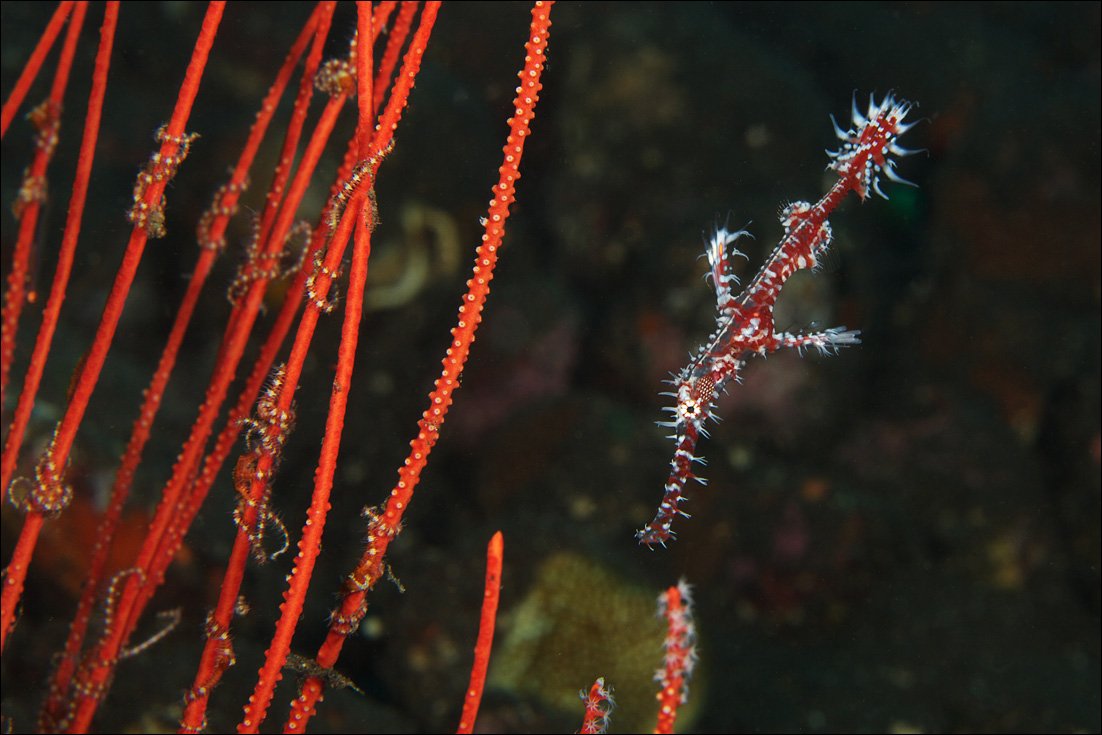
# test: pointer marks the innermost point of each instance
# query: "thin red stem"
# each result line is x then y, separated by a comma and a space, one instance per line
360, 215
17, 568
33, 65
29, 204
487, 619
167, 529
383, 529
93, 364
397, 36
225, 204
67, 663
310, 542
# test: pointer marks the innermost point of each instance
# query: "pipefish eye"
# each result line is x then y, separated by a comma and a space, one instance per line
691, 408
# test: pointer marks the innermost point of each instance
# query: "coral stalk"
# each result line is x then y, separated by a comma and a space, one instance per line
676, 606
598, 707
356, 214
17, 567
53, 490
32, 195
217, 651
385, 526
33, 65
486, 621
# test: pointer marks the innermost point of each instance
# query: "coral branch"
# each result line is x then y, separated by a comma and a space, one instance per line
33, 65
17, 567
93, 364
86, 670
598, 707
676, 606
486, 622
211, 239
33, 194
385, 526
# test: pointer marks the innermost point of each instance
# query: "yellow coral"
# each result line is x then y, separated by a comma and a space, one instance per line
579, 621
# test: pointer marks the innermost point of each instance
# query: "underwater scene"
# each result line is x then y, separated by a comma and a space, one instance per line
846, 255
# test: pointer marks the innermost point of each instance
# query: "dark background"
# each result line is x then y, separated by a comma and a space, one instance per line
904, 537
